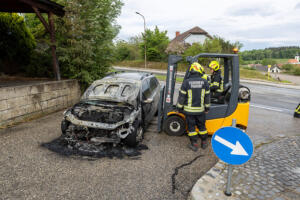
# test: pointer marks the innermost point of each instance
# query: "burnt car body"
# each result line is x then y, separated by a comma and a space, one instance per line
113, 110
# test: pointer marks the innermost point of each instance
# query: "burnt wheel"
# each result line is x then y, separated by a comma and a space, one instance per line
64, 126
174, 126
134, 137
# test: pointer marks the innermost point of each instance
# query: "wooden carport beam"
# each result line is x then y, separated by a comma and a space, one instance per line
50, 28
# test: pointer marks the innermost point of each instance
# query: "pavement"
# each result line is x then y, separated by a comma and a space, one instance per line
273, 172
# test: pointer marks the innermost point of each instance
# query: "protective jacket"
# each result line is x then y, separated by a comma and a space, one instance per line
297, 112
216, 84
194, 95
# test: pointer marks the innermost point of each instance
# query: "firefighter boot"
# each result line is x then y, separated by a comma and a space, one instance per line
193, 145
204, 141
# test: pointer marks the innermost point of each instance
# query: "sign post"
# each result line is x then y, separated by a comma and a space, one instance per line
269, 70
232, 146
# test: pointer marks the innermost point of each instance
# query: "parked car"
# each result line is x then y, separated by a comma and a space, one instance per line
116, 109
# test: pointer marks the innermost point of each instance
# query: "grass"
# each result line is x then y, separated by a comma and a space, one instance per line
245, 73
163, 78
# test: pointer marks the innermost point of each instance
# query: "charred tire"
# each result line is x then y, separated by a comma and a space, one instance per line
174, 126
64, 126
134, 137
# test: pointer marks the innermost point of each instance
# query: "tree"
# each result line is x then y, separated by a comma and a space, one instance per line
128, 50
16, 42
84, 38
156, 44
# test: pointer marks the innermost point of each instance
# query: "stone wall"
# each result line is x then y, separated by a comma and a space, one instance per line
21, 103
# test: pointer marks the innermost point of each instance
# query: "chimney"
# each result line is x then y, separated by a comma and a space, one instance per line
177, 33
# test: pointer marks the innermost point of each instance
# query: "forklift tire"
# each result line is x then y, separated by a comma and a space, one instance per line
174, 126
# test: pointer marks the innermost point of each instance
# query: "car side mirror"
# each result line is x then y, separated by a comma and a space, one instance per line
149, 100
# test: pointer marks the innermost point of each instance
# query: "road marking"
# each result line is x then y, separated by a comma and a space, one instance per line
237, 149
271, 108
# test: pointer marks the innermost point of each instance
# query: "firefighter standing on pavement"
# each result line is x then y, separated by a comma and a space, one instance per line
297, 111
216, 85
194, 99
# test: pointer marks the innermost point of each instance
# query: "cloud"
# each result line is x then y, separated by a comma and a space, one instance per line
252, 10
257, 22
297, 6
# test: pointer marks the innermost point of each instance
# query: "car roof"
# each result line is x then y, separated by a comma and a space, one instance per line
128, 75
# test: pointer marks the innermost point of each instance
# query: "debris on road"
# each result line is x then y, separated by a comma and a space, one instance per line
62, 147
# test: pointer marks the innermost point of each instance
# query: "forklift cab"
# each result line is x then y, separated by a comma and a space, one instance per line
236, 96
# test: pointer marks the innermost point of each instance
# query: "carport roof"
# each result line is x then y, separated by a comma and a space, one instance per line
25, 6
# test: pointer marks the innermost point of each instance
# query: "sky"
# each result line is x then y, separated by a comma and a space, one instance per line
257, 24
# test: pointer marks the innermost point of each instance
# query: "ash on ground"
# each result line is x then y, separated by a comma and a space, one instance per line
61, 146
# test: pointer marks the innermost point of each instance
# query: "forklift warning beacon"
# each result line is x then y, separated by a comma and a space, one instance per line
233, 104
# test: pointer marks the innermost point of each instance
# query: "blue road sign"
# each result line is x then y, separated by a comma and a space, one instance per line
232, 145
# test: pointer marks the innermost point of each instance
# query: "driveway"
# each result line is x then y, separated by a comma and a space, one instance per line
29, 171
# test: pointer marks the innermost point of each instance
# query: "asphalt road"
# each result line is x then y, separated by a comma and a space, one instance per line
274, 98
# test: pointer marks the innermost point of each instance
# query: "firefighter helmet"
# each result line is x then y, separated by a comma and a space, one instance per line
214, 65
196, 67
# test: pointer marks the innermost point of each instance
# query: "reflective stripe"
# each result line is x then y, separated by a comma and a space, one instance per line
297, 110
207, 105
183, 92
207, 92
190, 98
179, 105
204, 76
193, 110
202, 132
192, 134
216, 83
202, 97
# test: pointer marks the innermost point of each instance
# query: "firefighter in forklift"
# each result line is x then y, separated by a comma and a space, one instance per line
194, 100
216, 85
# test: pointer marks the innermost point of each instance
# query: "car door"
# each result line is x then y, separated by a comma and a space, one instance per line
155, 90
146, 94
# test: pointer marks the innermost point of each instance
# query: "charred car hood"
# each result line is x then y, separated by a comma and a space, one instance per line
115, 90
102, 115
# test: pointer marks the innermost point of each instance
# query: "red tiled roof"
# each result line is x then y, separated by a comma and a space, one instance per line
293, 61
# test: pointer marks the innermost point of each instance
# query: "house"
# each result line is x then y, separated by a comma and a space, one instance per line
295, 61
275, 69
184, 40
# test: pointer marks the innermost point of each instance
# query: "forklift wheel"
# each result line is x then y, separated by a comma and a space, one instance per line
174, 126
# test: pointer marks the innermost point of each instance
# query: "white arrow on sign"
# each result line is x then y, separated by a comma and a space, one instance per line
237, 149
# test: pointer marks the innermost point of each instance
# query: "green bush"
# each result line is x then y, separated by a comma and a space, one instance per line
297, 71
17, 42
288, 67
40, 64
153, 54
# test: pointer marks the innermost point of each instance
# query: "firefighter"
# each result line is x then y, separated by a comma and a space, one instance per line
216, 85
297, 111
194, 100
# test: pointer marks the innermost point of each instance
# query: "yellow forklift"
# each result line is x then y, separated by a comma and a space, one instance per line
235, 104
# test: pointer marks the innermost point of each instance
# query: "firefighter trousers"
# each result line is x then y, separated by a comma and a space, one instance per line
198, 121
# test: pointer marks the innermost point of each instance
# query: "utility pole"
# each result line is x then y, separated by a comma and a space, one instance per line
144, 37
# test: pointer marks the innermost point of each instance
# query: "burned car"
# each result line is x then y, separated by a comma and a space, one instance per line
113, 110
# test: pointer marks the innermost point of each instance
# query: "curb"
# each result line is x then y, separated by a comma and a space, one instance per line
202, 190
181, 74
